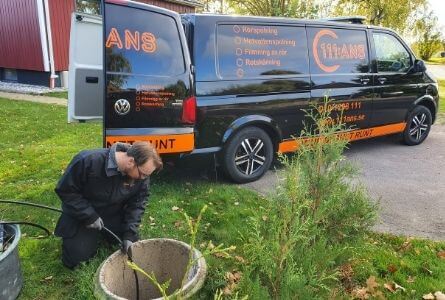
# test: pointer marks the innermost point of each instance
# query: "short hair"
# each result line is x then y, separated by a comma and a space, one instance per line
142, 152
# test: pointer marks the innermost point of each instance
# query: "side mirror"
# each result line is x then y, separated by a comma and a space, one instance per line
419, 66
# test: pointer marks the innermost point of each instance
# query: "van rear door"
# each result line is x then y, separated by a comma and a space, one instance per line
85, 86
148, 84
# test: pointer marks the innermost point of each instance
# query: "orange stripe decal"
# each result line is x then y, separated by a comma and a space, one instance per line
292, 145
175, 143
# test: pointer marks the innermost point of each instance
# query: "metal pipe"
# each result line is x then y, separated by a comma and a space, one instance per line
53, 75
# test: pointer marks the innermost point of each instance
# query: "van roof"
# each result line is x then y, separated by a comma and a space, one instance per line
321, 22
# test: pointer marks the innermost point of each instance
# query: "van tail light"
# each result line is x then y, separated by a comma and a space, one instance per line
189, 110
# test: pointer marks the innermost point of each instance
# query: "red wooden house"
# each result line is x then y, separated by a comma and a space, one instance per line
34, 37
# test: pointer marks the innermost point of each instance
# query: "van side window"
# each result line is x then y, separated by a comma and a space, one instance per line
252, 51
136, 46
391, 56
338, 51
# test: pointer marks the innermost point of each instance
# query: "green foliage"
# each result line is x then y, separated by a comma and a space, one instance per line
436, 60
428, 35
297, 239
398, 15
276, 8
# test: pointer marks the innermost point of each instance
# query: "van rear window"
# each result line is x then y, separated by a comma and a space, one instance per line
249, 51
146, 43
338, 51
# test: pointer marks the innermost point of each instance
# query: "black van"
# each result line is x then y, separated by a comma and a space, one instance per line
238, 85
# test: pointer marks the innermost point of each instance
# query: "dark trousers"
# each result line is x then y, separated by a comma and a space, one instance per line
84, 244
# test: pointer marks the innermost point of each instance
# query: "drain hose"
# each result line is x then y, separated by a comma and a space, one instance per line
129, 254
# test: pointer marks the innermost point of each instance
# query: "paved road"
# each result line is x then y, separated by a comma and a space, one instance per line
437, 70
409, 183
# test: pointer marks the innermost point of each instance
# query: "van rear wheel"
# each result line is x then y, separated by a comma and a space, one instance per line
418, 126
248, 155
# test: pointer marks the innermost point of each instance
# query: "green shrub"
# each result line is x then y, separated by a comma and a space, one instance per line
308, 227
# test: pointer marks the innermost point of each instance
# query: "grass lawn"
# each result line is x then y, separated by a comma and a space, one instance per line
37, 144
63, 95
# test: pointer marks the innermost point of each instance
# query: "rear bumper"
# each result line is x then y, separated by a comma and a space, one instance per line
165, 140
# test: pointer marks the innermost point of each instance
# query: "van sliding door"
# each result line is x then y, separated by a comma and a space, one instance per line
340, 69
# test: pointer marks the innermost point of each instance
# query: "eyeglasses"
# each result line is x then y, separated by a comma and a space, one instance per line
142, 175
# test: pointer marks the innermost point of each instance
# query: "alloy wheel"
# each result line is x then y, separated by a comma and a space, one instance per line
250, 156
419, 126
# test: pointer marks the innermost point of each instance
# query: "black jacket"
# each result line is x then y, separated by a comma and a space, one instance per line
92, 187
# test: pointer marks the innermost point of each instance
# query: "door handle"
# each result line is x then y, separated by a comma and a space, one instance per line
394, 94
382, 80
364, 80
91, 79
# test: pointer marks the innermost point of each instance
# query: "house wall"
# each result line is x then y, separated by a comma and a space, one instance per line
60, 16
20, 46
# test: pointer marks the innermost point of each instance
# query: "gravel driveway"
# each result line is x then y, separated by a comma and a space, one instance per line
408, 182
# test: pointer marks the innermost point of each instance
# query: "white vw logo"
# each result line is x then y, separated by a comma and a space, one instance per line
122, 107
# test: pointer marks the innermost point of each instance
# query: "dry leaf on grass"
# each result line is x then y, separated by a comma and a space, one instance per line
405, 246
411, 279
392, 268
240, 259
393, 287
439, 295
178, 224
221, 255
441, 254
346, 274
371, 284
389, 287
232, 279
360, 293
47, 279
428, 297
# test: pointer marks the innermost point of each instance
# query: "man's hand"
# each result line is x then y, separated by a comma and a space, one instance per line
126, 247
98, 224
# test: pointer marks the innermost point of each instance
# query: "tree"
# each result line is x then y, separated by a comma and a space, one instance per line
398, 15
214, 6
88, 6
276, 8
428, 35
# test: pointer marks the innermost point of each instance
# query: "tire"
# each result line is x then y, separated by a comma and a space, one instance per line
247, 155
418, 126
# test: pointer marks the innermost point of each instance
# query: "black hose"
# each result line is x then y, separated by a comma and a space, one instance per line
129, 255
26, 223
31, 204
